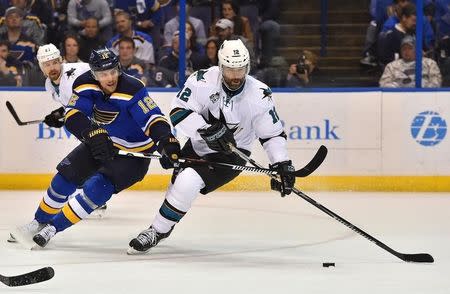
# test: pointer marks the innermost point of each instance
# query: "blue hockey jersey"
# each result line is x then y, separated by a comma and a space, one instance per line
133, 120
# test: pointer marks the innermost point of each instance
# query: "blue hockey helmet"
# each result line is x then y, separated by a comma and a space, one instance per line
103, 59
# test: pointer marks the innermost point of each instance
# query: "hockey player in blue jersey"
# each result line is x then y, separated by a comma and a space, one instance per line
108, 110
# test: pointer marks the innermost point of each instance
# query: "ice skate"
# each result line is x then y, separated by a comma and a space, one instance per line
44, 235
145, 240
24, 234
100, 212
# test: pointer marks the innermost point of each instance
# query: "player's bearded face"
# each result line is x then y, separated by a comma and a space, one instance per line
234, 77
52, 69
108, 79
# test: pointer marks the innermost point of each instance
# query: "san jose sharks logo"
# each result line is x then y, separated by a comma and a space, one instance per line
267, 92
211, 119
70, 72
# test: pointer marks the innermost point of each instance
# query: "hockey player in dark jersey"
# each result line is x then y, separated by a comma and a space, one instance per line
109, 110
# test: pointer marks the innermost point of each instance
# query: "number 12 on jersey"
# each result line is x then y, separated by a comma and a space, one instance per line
184, 94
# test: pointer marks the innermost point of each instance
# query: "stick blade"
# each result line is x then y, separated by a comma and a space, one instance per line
419, 257
37, 276
14, 114
315, 162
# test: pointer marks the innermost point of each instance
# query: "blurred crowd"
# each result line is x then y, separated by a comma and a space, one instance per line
143, 33
391, 45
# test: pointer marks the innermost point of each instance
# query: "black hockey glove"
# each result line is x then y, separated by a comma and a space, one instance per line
218, 137
287, 179
55, 119
100, 144
169, 148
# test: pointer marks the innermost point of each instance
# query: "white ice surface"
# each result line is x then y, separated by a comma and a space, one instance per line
242, 243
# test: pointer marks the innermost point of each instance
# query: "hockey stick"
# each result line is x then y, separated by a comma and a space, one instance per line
16, 117
37, 276
303, 172
418, 257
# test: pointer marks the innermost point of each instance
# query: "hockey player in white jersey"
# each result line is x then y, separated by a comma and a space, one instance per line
60, 77
219, 106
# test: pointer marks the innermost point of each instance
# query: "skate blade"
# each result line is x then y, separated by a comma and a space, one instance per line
24, 239
98, 213
11, 239
132, 251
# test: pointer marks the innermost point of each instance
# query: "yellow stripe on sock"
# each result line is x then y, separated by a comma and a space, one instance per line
70, 215
48, 209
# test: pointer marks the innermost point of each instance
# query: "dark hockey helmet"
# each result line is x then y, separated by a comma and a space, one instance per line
103, 59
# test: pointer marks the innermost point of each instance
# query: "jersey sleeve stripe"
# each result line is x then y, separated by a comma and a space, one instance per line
85, 87
121, 96
179, 114
147, 131
69, 113
135, 149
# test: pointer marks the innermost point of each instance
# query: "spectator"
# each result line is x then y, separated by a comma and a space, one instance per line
10, 68
241, 24
147, 15
173, 25
143, 42
269, 29
305, 73
428, 32
389, 43
193, 60
195, 45
212, 47
78, 11
401, 73
59, 26
160, 77
380, 10
38, 10
274, 75
130, 64
443, 18
90, 39
30, 25
22, 45
224, 31
71, 49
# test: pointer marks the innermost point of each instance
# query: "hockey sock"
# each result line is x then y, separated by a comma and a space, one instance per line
96, 191
179, 198
58, 192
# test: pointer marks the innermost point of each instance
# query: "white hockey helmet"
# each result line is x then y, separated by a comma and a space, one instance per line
47, 52
234, 54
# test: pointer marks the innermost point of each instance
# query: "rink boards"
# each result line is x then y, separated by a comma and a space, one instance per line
380, 141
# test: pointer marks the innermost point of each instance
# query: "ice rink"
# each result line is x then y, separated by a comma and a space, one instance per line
249, 242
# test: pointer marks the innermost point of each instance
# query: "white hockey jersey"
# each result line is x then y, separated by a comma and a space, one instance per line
250, 114
70, 71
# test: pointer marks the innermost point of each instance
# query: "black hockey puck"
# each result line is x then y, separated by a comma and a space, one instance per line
327, 264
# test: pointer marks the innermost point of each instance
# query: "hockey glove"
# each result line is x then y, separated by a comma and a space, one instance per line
100, 144
169, 148
287, 180
55, 119
218, 137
